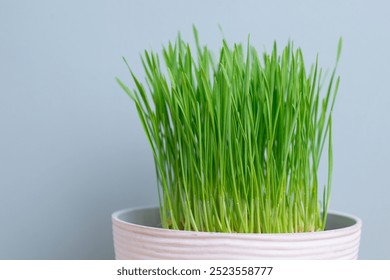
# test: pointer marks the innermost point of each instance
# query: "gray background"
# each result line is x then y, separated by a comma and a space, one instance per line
72, 150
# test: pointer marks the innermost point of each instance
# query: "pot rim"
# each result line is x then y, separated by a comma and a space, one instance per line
356, 226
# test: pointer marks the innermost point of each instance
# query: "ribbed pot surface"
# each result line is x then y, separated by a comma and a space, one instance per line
137, 236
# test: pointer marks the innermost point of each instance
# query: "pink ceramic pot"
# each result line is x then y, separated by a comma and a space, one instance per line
138, 236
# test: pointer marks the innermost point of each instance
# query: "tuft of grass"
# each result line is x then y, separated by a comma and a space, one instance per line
237, 142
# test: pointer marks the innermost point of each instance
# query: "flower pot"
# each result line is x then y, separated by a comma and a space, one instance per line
137, 235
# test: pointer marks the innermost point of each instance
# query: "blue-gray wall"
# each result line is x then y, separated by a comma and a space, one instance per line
72, 149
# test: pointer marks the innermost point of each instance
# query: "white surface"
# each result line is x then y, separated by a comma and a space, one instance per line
72, 149
194, 269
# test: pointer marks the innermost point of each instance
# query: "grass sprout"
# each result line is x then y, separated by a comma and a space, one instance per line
237, 141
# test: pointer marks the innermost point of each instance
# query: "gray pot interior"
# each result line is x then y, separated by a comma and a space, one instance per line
151, 217
336, 221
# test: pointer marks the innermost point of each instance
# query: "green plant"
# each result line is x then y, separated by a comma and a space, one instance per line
237, 142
